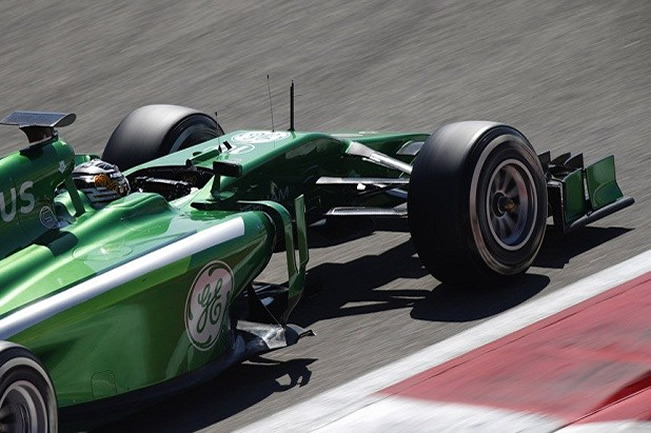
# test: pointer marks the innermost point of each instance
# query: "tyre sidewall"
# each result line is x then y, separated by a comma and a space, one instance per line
192, 130
442, 207
498, 145
18, 364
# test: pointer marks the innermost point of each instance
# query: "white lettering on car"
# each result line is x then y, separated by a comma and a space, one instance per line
278, 194
8, 216
8, 201
26, 197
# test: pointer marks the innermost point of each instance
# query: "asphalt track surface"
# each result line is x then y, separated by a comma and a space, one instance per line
572, 76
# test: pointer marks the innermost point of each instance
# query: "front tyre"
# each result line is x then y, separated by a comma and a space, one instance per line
477, 203
27, 399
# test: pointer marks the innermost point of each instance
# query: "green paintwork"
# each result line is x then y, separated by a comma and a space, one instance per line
28, 179
575, 205
136, 331
283, 169
136, 334
602, 185
589, 189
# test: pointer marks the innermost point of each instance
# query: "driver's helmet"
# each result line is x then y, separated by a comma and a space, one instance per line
102, 182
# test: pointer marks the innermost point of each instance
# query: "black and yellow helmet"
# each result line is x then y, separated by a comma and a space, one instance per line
102, 182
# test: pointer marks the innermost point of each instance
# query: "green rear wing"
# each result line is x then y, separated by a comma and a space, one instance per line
579, 195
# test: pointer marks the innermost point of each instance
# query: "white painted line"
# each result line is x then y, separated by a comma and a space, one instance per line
330, 406
609, 427
400, 414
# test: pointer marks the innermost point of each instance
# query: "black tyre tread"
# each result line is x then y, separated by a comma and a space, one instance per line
439, 216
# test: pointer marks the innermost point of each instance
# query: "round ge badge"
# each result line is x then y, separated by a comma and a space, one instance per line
206, 304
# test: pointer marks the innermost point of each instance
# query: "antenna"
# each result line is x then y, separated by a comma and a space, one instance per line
291, 107
271, 106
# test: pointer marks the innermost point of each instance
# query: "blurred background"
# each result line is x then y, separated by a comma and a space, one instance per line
572, 76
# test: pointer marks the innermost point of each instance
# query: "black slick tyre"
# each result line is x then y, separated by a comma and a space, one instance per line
153, 131
477, 203
27, 398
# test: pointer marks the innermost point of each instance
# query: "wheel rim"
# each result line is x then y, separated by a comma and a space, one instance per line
511, 204
22, 409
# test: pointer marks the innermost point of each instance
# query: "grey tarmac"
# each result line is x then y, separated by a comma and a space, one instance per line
572, 76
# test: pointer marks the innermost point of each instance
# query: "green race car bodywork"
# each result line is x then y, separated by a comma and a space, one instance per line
148, 288
103, 296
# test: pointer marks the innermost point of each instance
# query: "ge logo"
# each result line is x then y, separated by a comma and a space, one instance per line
206, 304
260, 136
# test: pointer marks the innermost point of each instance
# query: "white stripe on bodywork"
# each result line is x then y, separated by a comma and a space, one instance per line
102, 283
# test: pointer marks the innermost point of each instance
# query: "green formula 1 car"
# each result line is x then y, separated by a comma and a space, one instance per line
132, 275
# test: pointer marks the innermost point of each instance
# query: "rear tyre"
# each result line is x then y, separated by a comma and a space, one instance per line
153, 131
27, 399
477, 203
